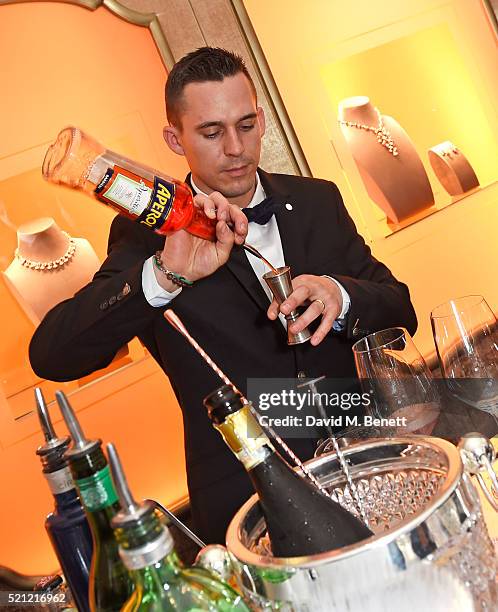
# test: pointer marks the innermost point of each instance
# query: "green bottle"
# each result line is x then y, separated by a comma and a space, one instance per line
162, 582
110, 584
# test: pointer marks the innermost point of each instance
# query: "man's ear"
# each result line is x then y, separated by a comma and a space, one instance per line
171, 135
261, 120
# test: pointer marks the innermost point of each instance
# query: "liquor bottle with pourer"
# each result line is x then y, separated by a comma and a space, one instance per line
162, 582
301, 520
67, 526
145, 195
110, 583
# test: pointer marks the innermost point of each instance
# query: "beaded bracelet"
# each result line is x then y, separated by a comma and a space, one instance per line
172, 276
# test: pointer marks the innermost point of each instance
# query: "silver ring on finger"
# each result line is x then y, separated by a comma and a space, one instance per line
320, 302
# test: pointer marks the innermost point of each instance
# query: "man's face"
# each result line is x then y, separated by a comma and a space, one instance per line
220, 135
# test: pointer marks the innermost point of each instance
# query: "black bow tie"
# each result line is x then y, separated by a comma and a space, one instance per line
264, 211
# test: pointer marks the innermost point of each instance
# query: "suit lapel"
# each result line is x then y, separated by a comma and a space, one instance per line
239, 266
292, 245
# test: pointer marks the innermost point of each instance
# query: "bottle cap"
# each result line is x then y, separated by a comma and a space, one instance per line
222, 402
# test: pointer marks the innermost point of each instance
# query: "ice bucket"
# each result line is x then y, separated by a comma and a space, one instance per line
431, 549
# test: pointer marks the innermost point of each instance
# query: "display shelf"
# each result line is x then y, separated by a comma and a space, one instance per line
18, 418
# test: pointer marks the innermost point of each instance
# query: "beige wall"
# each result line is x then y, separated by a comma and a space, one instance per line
91, 69
448, 91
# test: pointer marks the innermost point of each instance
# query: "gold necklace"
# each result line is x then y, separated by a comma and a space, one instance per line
383, 135
49, 265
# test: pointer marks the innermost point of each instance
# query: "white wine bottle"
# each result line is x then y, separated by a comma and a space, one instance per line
301, 520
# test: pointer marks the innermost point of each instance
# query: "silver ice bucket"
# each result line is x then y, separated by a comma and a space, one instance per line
431, 549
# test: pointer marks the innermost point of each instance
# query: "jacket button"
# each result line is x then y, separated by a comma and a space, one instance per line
112, 300
124, 292
104, 305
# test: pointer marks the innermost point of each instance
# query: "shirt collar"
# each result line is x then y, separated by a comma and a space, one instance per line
258, 195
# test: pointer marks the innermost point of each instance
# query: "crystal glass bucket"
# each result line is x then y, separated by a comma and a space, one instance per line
431, 549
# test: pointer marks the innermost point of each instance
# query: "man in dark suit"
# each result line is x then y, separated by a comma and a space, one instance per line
344, 292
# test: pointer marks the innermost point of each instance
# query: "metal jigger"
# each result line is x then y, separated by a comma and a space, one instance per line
280, 285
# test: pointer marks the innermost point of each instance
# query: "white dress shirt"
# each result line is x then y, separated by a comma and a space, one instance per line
265, 238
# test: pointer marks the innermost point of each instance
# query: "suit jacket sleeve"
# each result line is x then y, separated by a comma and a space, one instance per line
378, 299
83, 334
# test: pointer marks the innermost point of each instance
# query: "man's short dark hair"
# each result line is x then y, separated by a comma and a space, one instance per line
199, 66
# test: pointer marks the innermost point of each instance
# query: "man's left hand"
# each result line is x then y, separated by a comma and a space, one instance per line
323, 298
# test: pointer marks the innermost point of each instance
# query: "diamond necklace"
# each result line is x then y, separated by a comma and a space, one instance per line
384, 137
49, 265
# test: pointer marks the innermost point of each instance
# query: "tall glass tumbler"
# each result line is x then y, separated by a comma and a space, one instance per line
465, 333
400, 385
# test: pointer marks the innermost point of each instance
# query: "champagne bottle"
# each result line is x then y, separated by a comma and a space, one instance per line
138, 192
67, 526
162, 583
301, 520
110, 583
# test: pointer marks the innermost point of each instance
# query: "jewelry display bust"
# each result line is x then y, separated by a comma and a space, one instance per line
48, 266
389, 165
452, 168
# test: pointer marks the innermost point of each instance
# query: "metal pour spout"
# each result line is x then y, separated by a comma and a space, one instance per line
44, 417
128, 504
132, 510
52, 451
80, 442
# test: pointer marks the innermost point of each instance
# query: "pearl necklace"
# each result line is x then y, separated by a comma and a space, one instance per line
49, 265
384, 137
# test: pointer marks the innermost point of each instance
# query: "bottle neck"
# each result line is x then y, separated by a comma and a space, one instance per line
155, 543
67, 501
98, 496
93, 480
100, 523
63, 489
243, 434
153, 577
97, 492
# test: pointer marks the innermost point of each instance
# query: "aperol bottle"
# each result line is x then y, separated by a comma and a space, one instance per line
159, 202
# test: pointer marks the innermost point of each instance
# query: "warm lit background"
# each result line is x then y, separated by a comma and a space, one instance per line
431, 64
63, 65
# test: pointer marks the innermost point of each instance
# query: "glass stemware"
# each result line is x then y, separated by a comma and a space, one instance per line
394, 373
466, 337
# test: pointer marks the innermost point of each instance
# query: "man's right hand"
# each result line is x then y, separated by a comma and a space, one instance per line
194, 257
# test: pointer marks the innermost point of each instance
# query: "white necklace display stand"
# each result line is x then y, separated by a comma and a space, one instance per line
397, 183
38, 290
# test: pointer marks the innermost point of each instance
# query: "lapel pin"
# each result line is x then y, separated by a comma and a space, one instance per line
288, 206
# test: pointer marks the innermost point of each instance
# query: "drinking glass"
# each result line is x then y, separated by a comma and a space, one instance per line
466, 338
395, 375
